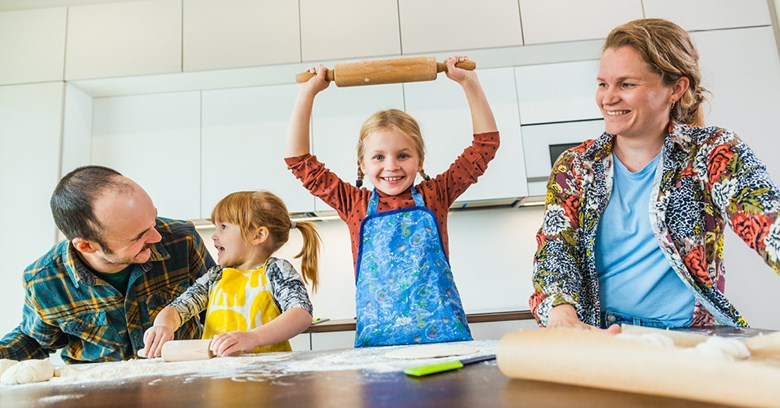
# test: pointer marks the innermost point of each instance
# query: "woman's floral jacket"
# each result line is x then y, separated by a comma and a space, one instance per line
708, 177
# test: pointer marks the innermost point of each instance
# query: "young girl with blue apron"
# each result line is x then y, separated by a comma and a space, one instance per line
405, 292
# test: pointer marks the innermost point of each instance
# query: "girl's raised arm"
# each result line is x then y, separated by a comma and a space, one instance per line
482, 119
298, 129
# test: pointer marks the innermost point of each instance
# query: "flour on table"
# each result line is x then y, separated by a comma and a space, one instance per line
253, 367
723, 349
28, 371
421, 351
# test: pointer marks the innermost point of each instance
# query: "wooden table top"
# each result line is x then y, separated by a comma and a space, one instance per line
478, 385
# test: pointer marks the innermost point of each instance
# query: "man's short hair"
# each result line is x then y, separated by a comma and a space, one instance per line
72, 203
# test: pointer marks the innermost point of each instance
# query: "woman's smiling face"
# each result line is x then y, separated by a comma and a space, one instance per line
633, 100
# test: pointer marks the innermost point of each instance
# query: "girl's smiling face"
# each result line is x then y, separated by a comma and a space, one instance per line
390, 161
232, 250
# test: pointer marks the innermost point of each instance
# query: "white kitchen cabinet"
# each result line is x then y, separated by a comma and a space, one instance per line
546, 21
443, 25
240, 33
550, 93
496, 330
76, 130
32, 45
694, 15
443, 113
123, 39
338, 29
333, 340
338, 115
244, 133
544, 143
743, 96
301, 342
154, 140
30, 123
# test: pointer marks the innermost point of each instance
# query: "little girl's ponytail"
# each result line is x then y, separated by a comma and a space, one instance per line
309, 252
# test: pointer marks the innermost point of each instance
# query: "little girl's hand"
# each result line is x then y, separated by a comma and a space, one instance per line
318, 82
454, 73
154, 338
232, 343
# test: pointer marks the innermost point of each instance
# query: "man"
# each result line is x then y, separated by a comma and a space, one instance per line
98, 291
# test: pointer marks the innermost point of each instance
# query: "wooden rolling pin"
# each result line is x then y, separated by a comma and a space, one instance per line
186, 350
391, 71
600, 360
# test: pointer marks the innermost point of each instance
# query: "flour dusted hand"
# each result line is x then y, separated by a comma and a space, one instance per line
28, 371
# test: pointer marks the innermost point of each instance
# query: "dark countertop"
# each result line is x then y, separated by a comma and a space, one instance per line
478, 385
349, 324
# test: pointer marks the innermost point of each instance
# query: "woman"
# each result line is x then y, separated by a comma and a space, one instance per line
634, 220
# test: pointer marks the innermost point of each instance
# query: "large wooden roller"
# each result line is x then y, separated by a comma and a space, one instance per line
186, 350
385, 71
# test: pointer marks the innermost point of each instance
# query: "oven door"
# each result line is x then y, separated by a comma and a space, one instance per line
543, 143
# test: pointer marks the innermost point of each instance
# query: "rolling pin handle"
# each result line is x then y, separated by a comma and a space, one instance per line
467, 65
306, 75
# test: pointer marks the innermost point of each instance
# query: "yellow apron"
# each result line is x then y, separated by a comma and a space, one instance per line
241, 300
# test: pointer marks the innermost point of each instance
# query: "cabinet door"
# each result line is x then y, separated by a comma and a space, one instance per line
32, 45
744, 84
338, 115
333, 340
154, 140
349, 29
710, 14
442, 25
496, 330
30, 123
76, 130
243, 145
301, 342
550, 93
122, 39
441, 109
546, 21
240, 33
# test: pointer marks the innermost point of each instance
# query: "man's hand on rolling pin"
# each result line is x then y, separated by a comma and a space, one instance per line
318, 82
566, 316
457, 74
154, 338
233, 343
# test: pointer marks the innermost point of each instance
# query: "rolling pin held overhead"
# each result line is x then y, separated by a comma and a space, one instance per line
391, 71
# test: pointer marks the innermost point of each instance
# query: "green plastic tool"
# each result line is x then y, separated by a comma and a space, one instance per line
428, 369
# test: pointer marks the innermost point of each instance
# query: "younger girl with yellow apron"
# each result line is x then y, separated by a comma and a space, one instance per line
241, 300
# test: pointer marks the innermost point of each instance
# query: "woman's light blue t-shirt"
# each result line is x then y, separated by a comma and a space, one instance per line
635, 279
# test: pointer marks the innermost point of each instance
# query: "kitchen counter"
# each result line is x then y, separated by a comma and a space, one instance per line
336, 378
349, 324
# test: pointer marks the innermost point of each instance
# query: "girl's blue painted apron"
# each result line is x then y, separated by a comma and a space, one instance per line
405, 290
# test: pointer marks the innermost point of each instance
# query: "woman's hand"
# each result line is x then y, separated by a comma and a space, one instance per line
566, 316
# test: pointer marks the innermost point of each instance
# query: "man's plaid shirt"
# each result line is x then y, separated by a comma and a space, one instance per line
67, 306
